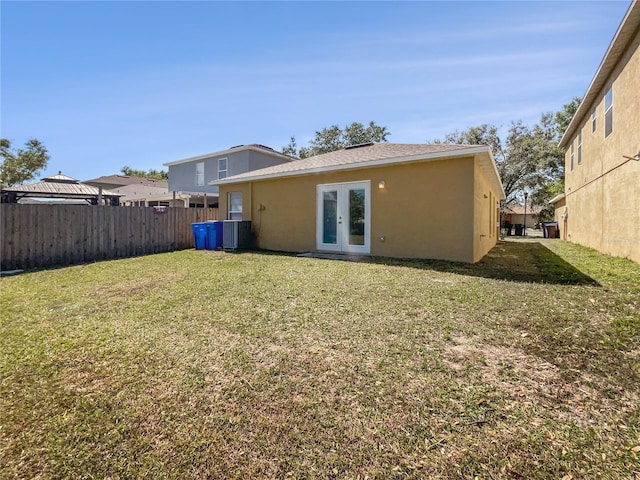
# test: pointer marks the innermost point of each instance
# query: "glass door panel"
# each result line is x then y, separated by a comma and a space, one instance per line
330, 217
357, 216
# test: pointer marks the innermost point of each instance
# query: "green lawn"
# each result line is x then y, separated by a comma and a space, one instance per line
203, 364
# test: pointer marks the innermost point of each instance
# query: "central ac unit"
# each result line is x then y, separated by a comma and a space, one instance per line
236, 234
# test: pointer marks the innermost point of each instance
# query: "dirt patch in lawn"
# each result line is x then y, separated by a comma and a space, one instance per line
527, 379
140, 286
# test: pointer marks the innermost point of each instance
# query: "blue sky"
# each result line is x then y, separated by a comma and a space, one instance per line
108, 84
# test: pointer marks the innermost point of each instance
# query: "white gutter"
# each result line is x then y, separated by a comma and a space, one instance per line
622, 37
556, 198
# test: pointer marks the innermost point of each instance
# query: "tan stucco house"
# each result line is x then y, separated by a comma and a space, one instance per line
382, 199
600, 207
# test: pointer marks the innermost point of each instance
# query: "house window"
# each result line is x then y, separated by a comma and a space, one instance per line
580, 147
571, 155
222, 168
199, 174
235, 206
593, 120
608, 112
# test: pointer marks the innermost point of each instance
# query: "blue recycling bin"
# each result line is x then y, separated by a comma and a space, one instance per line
199, 235
214, 235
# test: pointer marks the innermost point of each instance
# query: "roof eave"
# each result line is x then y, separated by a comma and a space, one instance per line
494, 175
482, 153
61, 195
31, 191
353, 166
557, 198
228, 151
623, 36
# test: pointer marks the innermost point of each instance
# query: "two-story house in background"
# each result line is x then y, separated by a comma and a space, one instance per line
600, 207
191, 176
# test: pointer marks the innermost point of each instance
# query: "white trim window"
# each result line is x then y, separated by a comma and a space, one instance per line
200, 174
580, 147
235, 206
593, 120
571, 155
222, 168
608, 112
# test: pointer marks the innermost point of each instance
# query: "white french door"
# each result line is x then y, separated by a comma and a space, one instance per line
343, 221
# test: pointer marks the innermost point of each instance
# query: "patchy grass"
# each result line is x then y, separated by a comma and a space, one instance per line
210, 365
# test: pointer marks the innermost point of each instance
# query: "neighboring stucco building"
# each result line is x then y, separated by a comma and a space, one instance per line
602, 162
193, 175
519, 215
383, 199
559, 203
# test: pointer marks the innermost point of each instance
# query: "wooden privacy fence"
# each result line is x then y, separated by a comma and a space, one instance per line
36, 236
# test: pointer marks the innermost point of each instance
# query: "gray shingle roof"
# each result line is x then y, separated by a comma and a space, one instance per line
360, 156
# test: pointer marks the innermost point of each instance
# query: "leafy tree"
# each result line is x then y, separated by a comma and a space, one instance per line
480, 135
292, 148
334, 138
528, 159
542, 195
23, 164
152, 173
357, 133
564, 116
533, 157
546, 192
